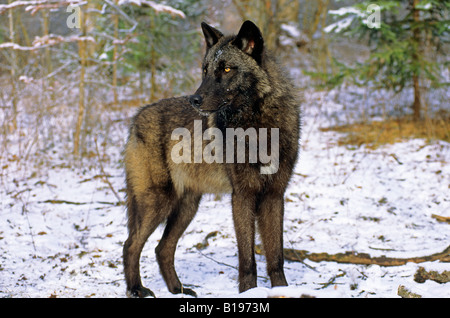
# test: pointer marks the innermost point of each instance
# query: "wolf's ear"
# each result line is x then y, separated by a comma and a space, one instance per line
250, 41
212, 35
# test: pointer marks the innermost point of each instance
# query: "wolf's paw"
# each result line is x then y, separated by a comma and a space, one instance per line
185, 291
140, 292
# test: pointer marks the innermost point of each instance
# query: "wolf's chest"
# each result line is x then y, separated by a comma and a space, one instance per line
200, 178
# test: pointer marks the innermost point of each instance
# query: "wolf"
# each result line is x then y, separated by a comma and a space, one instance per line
244, 88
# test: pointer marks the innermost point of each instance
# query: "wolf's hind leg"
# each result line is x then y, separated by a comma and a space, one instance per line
177, 223
144, 216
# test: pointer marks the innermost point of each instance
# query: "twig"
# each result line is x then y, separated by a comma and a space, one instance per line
81, 203
62, 202
215, 261
104, 175
25, 211
205, 243
224, 264
124, 15
332, 280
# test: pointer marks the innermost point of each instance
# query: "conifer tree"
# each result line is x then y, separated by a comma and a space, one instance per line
401, 34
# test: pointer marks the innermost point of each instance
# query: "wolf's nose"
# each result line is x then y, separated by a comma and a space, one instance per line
196, 100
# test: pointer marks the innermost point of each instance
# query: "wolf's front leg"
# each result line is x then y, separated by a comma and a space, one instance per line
244, 224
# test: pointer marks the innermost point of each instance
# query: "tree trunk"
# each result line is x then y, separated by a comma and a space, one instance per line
12, 36
266, 16
45, 27
323, 51
115, 57
81, 103
417, 105
152, 62
322, 6
288, 10
47, 61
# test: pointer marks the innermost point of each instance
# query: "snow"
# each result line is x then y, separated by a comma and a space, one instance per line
340, 199
155, 6
34, 5
346, 10
291, 30
40, 42
339, 25
424, 5
348, 14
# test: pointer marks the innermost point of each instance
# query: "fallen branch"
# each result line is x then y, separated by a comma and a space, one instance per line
105, 176
98, 176
405, 293
422, 275
205, 243
332, 280
81, 203
359, 258
442, 219
62, 202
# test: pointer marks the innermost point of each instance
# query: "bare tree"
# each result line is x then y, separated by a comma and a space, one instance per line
269, 16
115, 56
81, 99
12, 36
319, 12
417, 105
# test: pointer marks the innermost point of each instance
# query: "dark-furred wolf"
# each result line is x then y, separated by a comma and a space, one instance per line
245, 99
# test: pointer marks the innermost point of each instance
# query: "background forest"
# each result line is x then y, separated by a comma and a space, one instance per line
373, 76
86, 57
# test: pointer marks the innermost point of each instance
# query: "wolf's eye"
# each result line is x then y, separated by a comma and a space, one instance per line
227, 69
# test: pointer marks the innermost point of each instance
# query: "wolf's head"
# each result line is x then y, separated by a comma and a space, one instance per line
233, 70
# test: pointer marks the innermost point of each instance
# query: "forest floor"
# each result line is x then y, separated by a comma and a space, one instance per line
62, 231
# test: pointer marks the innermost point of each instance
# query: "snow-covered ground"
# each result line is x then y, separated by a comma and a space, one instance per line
378, 202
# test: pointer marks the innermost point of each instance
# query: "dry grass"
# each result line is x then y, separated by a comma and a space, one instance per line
377, 133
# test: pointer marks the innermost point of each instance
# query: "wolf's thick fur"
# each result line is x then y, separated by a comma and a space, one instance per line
242, 87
